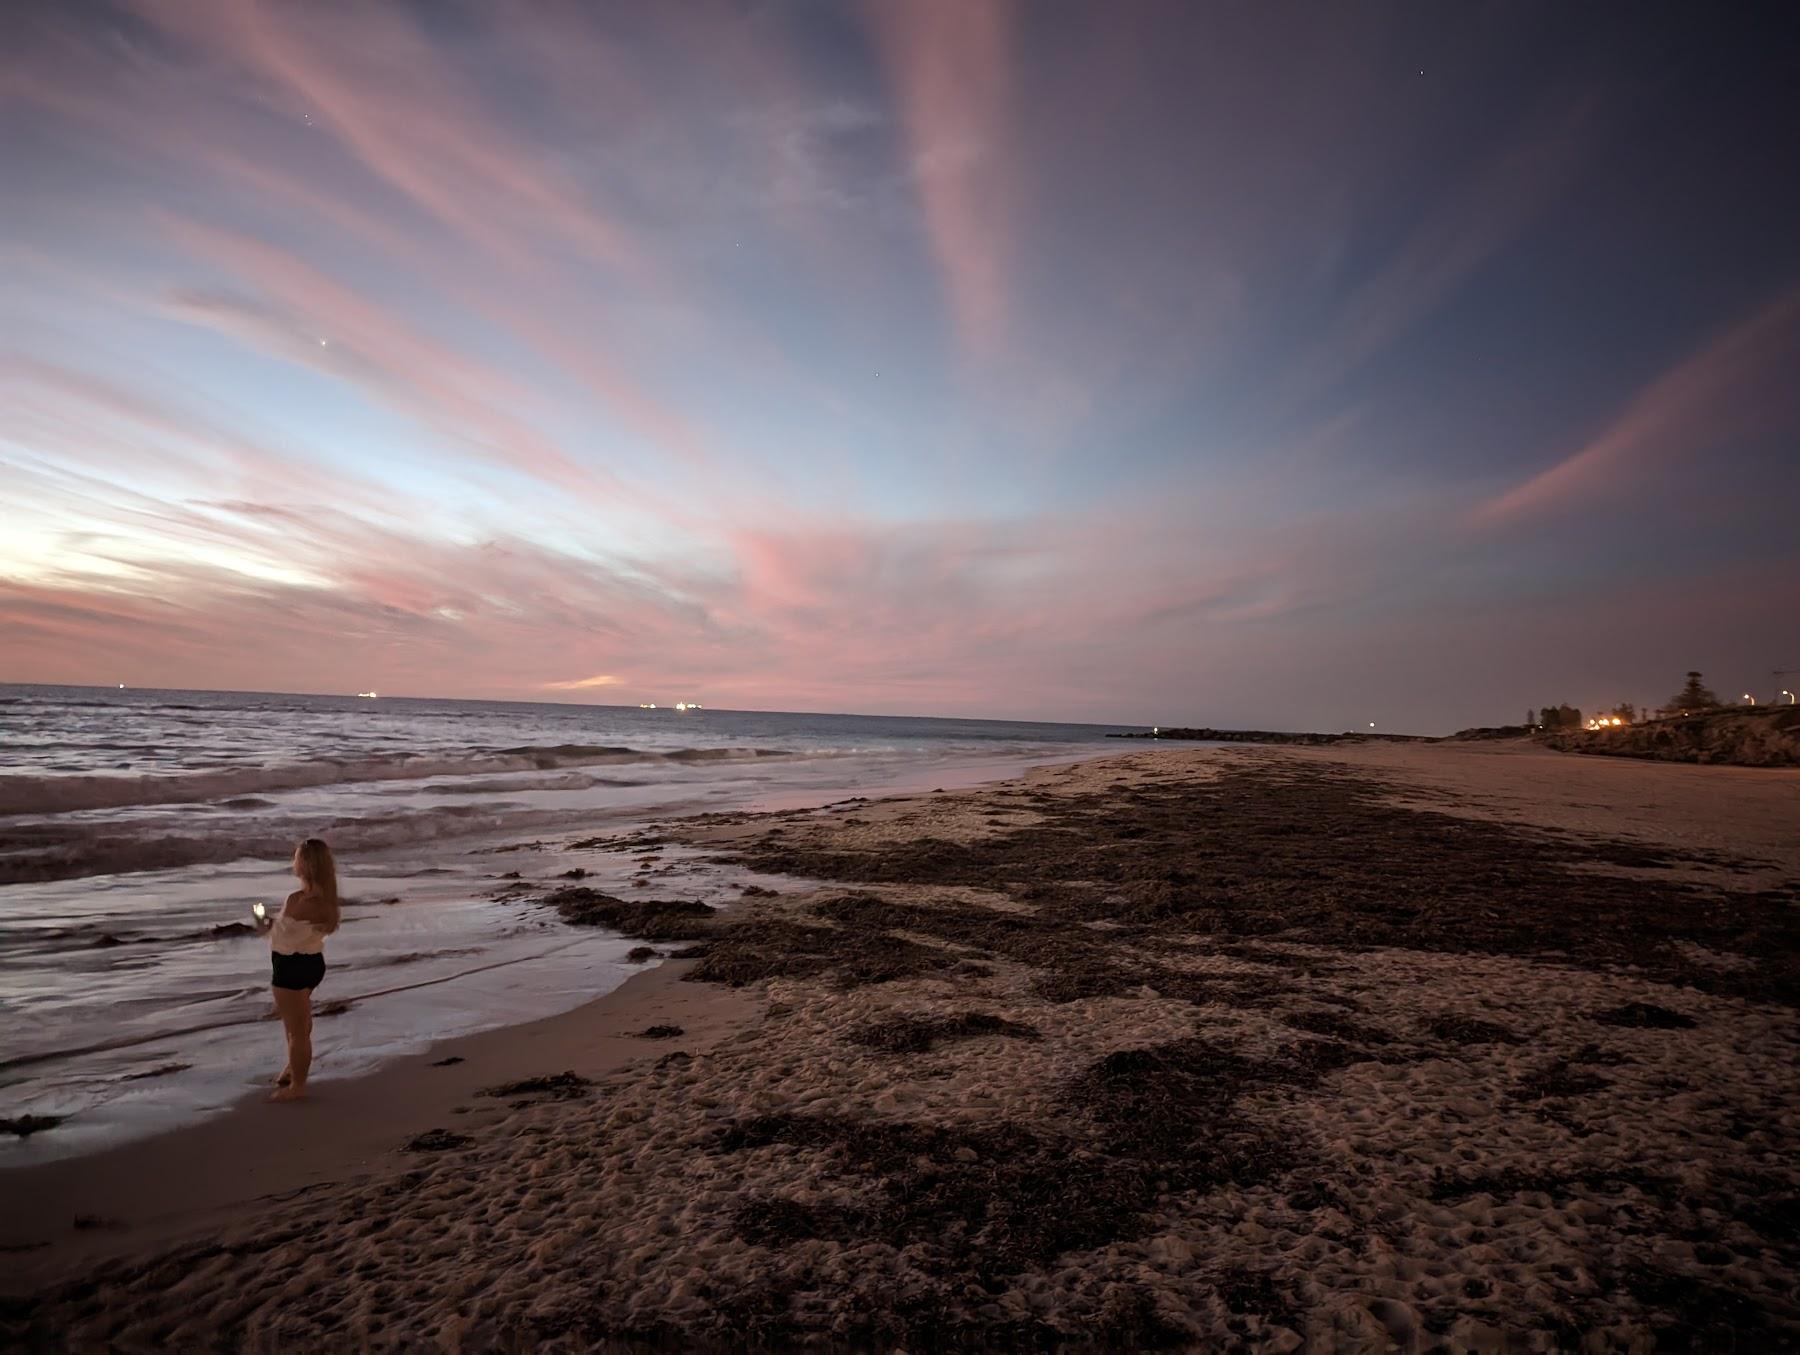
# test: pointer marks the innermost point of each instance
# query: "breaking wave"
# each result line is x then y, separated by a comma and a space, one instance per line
48, 850
64, 794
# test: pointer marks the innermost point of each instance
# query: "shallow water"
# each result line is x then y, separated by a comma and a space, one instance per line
137, 828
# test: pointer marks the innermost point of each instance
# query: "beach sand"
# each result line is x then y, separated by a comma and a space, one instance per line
1366, 1047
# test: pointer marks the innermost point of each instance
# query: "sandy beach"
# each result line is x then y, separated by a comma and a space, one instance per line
1368, 1047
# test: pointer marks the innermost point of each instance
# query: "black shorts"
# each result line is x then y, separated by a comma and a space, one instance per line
296, 971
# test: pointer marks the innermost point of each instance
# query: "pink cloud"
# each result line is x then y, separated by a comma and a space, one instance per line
403, 367
87, 417
1727, 388
146, 117
383, 91
133, 122
951, 63
585, 684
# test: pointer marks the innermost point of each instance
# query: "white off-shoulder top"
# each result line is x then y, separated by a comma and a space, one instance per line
291, 936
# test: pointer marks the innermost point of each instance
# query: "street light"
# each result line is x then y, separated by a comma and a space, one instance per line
1751, 699
1789, 695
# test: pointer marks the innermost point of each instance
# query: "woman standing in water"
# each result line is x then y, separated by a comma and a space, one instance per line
297, 952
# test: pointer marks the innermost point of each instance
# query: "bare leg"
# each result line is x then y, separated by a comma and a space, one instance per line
295, 1006
287, 1068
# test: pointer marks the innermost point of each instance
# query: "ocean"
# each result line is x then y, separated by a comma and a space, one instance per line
137, 827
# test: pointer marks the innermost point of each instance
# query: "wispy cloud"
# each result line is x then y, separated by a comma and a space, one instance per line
951, 62
1737, 383
584, 684
374, 82
310, 318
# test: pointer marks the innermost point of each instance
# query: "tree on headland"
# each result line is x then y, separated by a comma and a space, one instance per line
1530, 719
1560, 717
1694, 695
1626, 712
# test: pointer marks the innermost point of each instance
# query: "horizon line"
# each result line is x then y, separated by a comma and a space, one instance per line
584, 705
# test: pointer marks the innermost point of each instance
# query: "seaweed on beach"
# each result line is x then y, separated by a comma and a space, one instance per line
640, 919
1162, 1099
869, 941
1768, 1204
1318, 855
1449, 1187
1689, 1313
1177, 1105
981, 1203
567, 1086
23, 1126
1645, 1016
772, 1221
921, 1034
1080, 978
1072, 963
437, 1141
161, 1070
1557, 1079
1337, 1027
1463, 1030
757, 949
1292, 961
986, 1202
1243, 1290
899, 1314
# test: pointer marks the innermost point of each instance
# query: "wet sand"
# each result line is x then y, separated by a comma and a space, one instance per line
1389, 1046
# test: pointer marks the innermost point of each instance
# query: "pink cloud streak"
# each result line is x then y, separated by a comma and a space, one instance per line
1722, 390
385, 95
951, 63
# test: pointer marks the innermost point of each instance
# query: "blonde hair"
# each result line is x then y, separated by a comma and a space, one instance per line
317, 870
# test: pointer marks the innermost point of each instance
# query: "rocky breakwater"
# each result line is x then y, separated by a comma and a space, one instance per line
1263, 736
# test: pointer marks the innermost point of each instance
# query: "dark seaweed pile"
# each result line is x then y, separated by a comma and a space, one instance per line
569, 1086
640, 919
921, 1034
975, 1206
776, 948
1307, 854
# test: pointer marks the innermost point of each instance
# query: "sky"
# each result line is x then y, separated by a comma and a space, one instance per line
1293, 366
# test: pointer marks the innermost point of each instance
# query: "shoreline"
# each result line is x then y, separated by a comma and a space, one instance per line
415, 918
1354, 1046
160, 1189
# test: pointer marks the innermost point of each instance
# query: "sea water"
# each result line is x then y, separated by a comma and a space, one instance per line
138, 827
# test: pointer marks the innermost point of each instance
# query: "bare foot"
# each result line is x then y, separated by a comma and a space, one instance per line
287, 1093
